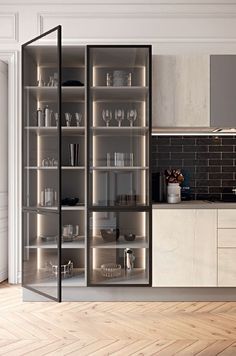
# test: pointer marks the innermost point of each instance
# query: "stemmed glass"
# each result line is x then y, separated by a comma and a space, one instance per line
78, 118
119, 116
68, 117
107, 116
132, 116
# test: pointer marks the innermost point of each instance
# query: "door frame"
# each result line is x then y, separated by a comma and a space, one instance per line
14, 164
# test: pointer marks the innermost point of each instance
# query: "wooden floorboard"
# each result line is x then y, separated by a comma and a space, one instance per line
115, 328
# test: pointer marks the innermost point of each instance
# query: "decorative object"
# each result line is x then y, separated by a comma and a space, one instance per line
70, 201
111, 270
129, 237
110, 235
128, 260
74, 154
173, 178
66, 269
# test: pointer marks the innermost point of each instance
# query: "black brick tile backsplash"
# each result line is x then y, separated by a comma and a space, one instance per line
210, 162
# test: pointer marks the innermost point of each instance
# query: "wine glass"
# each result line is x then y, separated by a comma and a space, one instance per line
132, 116
119, 116
78, 118
107, 116
68, 117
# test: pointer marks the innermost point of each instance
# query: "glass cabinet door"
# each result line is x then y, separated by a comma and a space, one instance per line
119, 97
41, 136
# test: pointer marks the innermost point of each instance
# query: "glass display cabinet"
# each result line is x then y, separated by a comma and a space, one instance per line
86, 217
118, 93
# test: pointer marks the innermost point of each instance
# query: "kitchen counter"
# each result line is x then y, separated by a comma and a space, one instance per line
195, 204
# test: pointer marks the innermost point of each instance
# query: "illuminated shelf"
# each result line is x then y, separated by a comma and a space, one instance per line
52, 245
72, 168
118, 93
112, 168
137, 276
139, 242
48, 94
116, 130
53, 130
48, 280
76, 207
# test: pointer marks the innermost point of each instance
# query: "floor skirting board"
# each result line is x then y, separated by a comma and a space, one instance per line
136, 294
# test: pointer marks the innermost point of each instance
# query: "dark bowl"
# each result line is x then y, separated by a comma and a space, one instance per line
129, 237
110, 235
70, 201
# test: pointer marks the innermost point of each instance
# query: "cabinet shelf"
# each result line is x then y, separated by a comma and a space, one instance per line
53, 130
123, 130
139, 242
47, 94
131, 93
53, 245
113, 169
77, 280
71, 168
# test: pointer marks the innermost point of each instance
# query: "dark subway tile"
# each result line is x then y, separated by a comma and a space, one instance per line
224, 162
208, 169
208, 141
195, 162
189, 169
175, 163
195, 148
228, 141
226, 190
162, 155
208, 183
221, 148
201, 175
163, 148
199, 190
208, 155
162, 140
183, 155
183, 141
229, 155
215, 190
229, 169
226, 175
228, 183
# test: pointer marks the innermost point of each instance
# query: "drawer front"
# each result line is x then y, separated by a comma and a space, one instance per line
227, 238
227, 218
227, 267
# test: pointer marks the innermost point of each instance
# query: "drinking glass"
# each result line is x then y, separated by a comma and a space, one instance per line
132, 116
107, 116
56, 117
68, 117
119, 116
78, 118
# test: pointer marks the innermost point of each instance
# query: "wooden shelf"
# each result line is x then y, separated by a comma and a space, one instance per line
71, 168
53, 245
112, 168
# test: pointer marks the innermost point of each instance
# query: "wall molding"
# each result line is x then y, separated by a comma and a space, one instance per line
13, 19
14, 164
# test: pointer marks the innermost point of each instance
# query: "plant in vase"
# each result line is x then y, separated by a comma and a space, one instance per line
174, 178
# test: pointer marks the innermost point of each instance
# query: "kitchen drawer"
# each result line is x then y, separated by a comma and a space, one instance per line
227, 218
227, 238
227, 267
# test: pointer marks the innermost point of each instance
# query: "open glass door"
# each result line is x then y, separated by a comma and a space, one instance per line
41, 139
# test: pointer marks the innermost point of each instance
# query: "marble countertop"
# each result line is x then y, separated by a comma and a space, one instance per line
195, 204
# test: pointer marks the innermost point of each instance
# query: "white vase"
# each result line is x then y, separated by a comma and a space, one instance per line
173, 193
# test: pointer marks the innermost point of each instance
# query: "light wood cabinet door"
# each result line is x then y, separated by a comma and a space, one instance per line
227, 267
181, 91
184, 248
227, 218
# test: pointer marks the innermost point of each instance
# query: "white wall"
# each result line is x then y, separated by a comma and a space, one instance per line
187, 26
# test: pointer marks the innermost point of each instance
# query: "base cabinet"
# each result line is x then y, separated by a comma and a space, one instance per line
184, 248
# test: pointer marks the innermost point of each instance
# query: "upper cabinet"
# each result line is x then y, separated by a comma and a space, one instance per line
222, 90
181, 91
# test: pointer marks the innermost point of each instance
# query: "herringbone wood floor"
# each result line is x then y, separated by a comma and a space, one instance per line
100, 329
